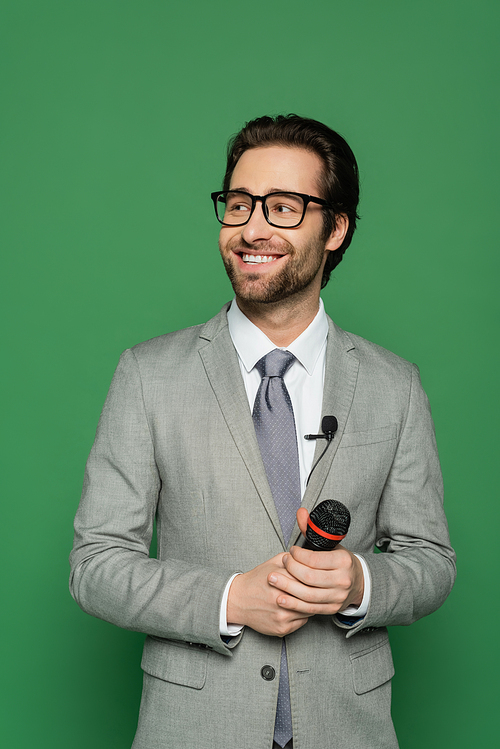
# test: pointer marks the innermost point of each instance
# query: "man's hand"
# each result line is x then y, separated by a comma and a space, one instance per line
279, 596
318, 582
252, 601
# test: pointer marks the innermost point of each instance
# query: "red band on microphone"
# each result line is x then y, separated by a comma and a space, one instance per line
323, 533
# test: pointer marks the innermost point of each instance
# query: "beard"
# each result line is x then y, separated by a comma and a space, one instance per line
299, 272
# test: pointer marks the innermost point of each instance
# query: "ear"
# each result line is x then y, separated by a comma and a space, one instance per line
337, 236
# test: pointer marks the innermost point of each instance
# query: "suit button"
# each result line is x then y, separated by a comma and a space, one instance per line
268, 673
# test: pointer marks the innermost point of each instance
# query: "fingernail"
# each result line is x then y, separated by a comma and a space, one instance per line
273, 579
285, 559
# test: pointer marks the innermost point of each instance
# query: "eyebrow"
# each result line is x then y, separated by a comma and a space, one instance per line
269, 192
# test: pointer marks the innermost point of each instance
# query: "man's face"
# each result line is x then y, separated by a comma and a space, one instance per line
268, 264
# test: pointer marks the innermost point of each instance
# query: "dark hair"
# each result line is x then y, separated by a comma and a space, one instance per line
339, 182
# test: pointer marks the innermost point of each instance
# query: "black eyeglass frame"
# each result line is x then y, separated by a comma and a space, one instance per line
306, 199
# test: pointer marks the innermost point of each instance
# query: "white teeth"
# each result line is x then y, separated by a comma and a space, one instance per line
257, 258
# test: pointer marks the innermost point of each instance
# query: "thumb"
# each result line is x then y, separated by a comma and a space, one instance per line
302, 518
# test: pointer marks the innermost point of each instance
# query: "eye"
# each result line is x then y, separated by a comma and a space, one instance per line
284, 204
238, 203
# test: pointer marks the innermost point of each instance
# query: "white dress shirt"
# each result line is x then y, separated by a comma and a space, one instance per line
304, 381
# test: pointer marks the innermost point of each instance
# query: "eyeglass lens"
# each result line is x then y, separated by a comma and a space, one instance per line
282, 209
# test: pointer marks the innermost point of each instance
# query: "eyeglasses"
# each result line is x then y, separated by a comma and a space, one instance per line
281, 209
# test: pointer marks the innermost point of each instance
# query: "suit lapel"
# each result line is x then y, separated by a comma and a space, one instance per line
223, 371
341, 372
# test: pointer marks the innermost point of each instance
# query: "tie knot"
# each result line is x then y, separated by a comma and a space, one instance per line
275, 364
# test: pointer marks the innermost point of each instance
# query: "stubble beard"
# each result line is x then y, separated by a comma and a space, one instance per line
292, 279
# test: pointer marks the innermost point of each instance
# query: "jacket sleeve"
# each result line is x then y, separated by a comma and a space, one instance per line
112, 575
416, 572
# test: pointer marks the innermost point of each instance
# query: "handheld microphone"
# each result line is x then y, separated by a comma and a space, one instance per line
327, 524
329, 425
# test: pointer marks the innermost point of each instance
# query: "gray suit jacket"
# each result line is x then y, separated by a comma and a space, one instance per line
176, 441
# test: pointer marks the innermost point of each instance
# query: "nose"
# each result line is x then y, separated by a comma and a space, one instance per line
257, 228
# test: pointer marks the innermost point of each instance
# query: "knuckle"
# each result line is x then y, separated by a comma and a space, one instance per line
345, 582
308, 577
283, 626
342, 579
339, 599
307, 595
282, 615
344, 558
282, 582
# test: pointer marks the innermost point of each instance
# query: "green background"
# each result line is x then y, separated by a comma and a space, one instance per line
115, 118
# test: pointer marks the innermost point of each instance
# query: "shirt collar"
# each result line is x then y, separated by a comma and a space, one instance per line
252, 344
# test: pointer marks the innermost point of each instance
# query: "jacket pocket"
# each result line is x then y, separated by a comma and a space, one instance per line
370, 437
175, 662
372, 667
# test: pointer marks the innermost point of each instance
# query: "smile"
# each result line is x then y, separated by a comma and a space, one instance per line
256, 259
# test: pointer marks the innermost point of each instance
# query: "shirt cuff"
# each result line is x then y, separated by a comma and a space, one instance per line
360, 611
227, 630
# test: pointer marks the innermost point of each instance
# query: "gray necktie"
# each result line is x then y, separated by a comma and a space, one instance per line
276, 434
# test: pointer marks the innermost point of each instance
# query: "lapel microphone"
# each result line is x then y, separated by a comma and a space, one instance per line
329, 425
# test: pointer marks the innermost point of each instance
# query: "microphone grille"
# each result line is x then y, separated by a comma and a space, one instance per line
332, 517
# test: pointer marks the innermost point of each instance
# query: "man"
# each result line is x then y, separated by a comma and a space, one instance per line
255, 642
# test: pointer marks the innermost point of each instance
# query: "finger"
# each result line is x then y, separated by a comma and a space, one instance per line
304, 592
297, 623
303, 574
278, 559
308, 608
319, 560
341, 576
